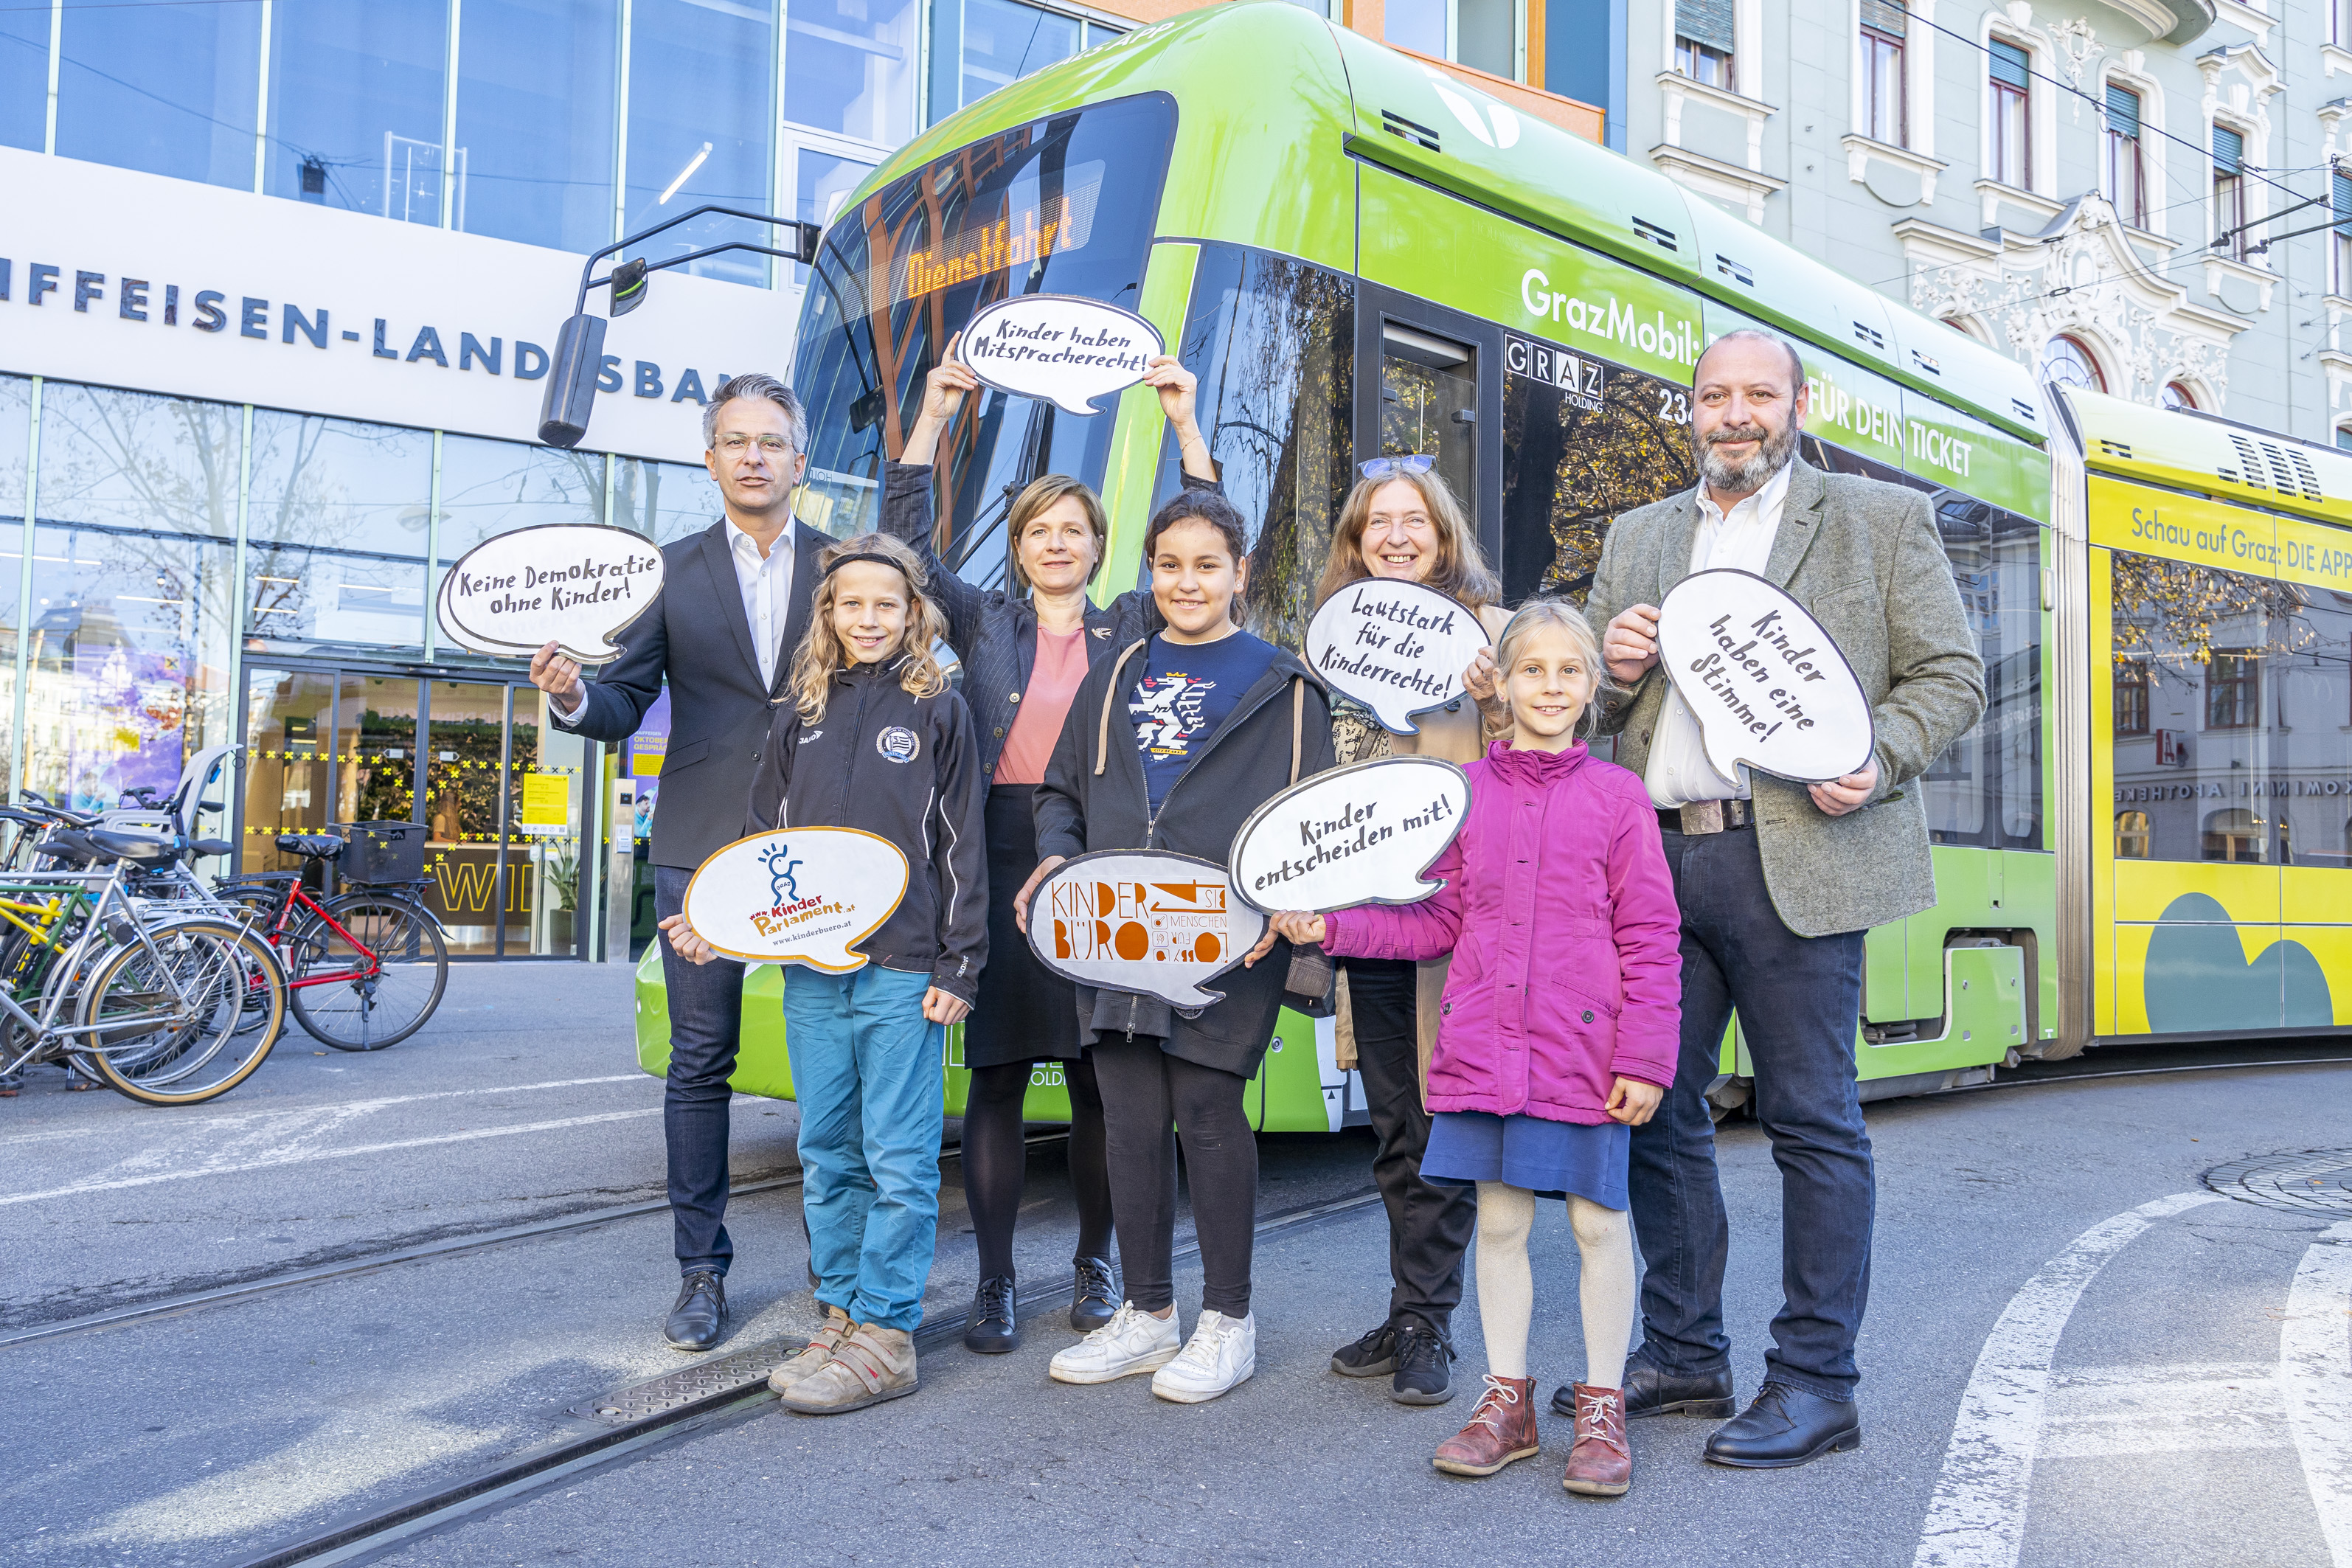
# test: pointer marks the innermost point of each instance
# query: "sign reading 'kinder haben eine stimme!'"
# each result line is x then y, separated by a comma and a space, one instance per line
1769, 686
1142, 920
573, 585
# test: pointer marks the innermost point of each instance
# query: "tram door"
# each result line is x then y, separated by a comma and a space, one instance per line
496, 787
1437, 394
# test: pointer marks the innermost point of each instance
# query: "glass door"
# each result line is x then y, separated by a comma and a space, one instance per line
289, 784
1438, 386
545, 790
464, 753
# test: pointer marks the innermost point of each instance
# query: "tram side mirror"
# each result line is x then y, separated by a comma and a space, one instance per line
630, 285
570, 395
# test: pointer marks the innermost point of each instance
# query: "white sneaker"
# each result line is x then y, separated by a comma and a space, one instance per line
1222, 1353
1132, 1342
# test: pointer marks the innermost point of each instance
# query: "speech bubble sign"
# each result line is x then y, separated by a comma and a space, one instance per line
1058, 347
1142, 920
1768, 686
1363, 834
805, 895
1395, 646
570, 584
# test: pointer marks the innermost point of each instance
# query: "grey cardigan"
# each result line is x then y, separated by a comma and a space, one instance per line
1863, 556
995, 633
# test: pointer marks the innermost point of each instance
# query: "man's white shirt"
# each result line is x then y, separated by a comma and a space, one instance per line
766, 582
1678, 771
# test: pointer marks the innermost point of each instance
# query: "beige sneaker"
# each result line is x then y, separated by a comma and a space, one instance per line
873, 1363
820, 1350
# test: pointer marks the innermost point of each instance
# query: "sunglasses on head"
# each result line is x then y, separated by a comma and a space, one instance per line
1390, 467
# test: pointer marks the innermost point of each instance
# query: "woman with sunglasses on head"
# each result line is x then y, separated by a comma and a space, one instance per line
1403, 521
1024, 653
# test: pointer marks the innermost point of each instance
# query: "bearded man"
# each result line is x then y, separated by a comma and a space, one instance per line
1777, 883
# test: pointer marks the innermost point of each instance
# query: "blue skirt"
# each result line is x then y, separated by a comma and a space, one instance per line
1551, 1159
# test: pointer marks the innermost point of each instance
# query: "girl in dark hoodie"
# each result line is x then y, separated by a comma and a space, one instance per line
1170, 745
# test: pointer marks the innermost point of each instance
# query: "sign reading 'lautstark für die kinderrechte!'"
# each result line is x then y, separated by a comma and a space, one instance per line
1060, 348
1397, 648
1768, 685
573, 585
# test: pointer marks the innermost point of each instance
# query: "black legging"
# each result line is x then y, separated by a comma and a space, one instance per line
1147, 1092
996, 1160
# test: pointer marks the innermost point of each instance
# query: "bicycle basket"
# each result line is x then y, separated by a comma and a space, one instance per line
383, 852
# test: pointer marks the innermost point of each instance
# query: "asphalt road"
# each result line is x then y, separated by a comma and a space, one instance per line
2076, 1353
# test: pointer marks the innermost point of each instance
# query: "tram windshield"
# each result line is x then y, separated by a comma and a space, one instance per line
1061, 206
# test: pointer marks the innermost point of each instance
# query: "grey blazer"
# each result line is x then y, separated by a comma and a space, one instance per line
1863, 556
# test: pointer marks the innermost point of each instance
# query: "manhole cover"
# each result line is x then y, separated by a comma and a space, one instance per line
2310, 1179
705, 1383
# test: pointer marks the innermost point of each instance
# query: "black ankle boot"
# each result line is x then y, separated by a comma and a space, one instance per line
988, 1328
1094, 1300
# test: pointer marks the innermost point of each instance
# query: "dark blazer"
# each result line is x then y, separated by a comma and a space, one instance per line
994, 633
695, 633
1094, 797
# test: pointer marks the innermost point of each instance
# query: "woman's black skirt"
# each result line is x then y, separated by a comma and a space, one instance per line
1025, 1011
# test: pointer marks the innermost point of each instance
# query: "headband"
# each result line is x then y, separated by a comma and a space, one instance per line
876, 557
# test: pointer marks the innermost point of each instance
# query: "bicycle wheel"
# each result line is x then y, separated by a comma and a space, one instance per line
258, 906
376, 994
164, 1021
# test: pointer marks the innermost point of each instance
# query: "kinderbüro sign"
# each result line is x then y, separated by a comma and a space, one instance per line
1058, 347
1359, 834
571, 583
806, 895
1140, 920
1397, 648
1767, 684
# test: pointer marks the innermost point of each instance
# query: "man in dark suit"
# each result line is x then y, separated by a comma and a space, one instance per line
733, 606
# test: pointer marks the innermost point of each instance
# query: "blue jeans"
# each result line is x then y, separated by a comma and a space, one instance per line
867, 1067
1799, 1002
706, 1017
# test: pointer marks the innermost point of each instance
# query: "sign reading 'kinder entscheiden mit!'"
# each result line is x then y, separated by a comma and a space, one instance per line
136, 281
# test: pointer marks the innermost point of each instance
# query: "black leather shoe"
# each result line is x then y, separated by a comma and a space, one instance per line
1786, 1426
1651, 1392
1093, 1301
1425, 1367
988, 1328
1374, 1355
701, 1307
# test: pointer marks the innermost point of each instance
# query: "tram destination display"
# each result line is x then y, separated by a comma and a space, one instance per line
1397, 648
1364, 834
1062, 349
805, 895
1143, 920
575, 585
1768, 686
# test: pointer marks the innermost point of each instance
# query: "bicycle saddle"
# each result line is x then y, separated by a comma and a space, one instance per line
316, 845
212, 847
136, 848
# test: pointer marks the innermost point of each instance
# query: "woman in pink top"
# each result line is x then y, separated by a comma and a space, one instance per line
1024, 653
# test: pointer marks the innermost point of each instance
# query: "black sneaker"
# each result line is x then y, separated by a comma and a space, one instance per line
988, 1328
1374, 1355
1094, 1299
1425, 1367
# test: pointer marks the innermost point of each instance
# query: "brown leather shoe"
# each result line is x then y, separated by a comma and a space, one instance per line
1601, 1465
1501, 1429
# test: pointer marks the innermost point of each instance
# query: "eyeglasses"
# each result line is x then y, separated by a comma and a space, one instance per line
769, 446
1390, 467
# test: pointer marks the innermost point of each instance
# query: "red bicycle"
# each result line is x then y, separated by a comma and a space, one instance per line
363, 970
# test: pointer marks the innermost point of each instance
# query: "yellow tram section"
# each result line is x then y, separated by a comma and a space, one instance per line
2220, 745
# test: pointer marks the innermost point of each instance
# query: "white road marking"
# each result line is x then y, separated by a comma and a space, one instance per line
297, 1156
2116, 1412
1977, 1517
2315, 1377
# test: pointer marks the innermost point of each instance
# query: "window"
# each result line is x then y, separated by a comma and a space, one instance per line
1704, 42
2011, 144
2233, 834
536, 81
168, 89
1884, 116
2126, 168
336, 519
700, 121
2229, 192
1481, 34
979, 46
2065, 362
24, 83
2339, 22
2343, 438
355, 108
2233, 689
2131, 696
849, 67
2131, 835
2177, 396
2339, 238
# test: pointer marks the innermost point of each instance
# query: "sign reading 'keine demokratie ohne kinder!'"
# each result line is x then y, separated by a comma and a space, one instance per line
573, 585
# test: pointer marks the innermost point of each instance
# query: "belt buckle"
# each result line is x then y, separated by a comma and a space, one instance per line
1702, 816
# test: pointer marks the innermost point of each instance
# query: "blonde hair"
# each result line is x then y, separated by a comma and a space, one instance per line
1461, 571
1532, 617
1041, 494
820, 656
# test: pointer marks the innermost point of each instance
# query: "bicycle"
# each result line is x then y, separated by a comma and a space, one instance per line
364, 970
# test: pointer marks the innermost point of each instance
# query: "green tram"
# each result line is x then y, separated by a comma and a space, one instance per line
1360, 255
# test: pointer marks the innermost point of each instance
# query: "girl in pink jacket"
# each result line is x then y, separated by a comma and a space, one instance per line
1561, 1018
